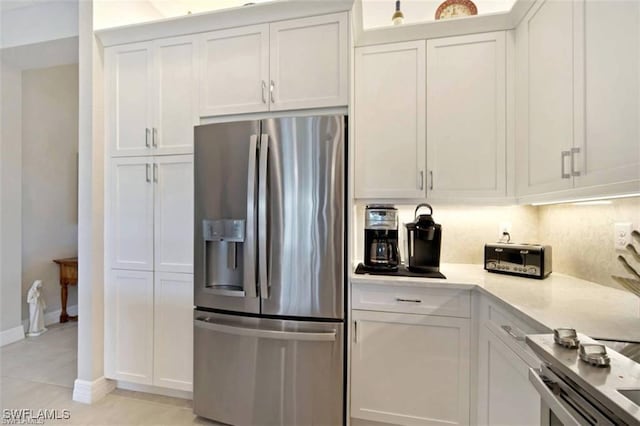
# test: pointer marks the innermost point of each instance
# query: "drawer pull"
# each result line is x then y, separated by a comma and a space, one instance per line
398, 299
510, 332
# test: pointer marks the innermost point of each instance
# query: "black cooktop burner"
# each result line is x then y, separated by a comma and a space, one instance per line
401, 272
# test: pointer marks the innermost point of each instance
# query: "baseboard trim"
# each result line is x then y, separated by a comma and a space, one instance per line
11, 335
90, 392
52, 317
136, 387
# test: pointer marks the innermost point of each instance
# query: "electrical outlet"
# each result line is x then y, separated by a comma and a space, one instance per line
505, 227
622, 235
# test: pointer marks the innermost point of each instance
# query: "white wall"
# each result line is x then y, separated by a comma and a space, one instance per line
377, 13
39, 21
49, 178
10, 198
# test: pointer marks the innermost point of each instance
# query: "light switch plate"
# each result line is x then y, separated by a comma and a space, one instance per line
622, 235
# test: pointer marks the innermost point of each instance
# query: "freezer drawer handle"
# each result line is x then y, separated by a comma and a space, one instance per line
266, 334
226, 291
400, 299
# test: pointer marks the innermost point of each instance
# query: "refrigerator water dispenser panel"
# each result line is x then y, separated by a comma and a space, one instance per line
223, 258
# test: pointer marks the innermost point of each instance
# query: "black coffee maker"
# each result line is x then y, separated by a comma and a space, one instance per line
424, 237
381, 238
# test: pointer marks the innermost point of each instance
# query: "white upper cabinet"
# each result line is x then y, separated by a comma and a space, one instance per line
128, 92
610, 152
466, 117
389, 121
129, 213
175, 89
150, 214
578, 99
173, 212
545, 91
151, 97
285, 65
308, 62
234, 74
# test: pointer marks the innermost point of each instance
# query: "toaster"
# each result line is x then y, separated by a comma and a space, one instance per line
525, 260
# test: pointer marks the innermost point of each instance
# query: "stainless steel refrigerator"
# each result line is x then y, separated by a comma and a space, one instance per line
269, 271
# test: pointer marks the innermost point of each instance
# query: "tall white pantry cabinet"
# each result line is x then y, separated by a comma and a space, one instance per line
151, 101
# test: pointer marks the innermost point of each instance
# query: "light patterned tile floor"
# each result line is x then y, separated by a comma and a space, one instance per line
38, 373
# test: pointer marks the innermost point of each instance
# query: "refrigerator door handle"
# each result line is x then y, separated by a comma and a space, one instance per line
329, 336
250, 240
263, 227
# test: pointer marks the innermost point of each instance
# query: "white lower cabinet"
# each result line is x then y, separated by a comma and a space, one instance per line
173, 331
128, 322
409, 369
149, 328
505, 395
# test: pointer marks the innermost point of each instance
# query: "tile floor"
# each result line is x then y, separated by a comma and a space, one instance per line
38, 373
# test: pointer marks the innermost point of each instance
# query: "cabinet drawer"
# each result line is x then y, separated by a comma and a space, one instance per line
510, 329
412, 300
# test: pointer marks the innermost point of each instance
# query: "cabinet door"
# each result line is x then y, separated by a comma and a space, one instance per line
173, 331
130, 214
308, 62
175, 95
505, 396
466, 116
546, 91
611, 67
390, 121
173, 179
129, 326
234, 71
410, 369
128, 99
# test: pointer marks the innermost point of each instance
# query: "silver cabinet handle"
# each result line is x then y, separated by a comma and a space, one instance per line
509, 330
154, 138
263, 227
399, 299
272, 87
431, 180
266, 334
146, 137
250, 244
264, 92
355, 332
148, 166
155, 172
563, 155
574, 151
421, 180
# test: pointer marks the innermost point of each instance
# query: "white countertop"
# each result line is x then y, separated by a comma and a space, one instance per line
557, 301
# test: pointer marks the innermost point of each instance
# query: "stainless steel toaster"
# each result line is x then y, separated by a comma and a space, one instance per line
526, 260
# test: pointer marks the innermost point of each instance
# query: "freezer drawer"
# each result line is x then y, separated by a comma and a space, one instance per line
256, 371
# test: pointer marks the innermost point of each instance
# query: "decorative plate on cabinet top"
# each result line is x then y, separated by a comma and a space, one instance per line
455, 9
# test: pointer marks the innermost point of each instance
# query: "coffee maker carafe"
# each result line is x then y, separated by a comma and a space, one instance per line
424, 237
381, 238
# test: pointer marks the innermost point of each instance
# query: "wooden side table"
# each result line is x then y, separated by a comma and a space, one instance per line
68, 276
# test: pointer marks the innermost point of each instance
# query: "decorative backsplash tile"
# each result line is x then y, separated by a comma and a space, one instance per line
582, 237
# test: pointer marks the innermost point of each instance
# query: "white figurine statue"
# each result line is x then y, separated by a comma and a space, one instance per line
36, 309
